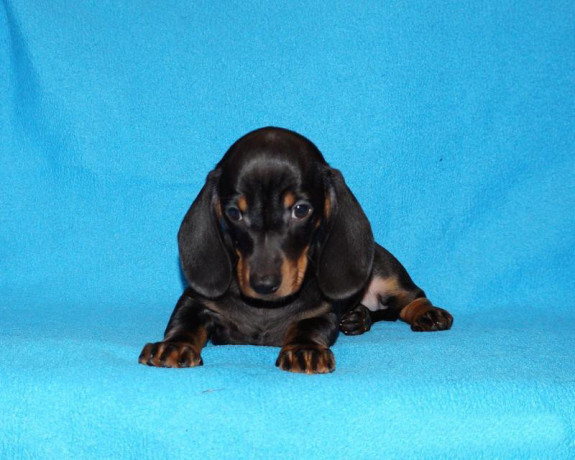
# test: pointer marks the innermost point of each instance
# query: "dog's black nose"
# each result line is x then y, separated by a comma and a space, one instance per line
266, 284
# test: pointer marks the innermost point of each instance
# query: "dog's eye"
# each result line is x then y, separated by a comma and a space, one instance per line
234, 213
301, 211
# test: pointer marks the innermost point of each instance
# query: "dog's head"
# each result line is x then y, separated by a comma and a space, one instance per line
271, 213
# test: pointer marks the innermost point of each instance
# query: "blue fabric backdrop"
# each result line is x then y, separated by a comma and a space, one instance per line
453, 123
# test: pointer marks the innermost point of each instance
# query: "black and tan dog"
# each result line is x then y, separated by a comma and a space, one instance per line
277, 251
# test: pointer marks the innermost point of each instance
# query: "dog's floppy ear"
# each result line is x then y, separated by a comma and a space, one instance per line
346, 254
203, 256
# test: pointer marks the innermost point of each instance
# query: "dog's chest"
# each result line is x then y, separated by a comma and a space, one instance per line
253, 326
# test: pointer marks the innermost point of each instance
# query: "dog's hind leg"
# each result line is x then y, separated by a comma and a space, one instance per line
391, 294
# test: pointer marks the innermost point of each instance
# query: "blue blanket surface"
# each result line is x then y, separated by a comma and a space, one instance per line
452, 122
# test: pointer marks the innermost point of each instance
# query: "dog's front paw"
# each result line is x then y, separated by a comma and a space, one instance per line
170, 354
434, 319
355, 321
306, 359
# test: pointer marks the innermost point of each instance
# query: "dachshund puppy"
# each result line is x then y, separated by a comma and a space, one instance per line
277, 251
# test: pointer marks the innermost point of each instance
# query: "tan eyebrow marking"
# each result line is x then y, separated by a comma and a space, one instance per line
242, 203
289, 199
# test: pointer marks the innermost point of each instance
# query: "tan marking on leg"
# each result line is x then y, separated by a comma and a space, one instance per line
293, 331
381, 288
176, 346
200, 339
195, 339
415, 309
288, 359
308, 345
